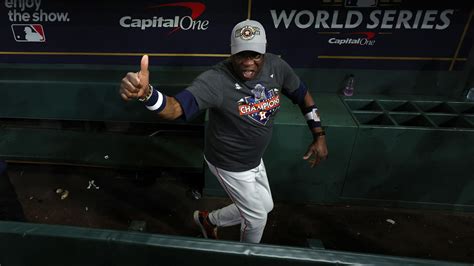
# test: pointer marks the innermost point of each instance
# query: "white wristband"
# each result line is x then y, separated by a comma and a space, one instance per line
313, 115
158, 103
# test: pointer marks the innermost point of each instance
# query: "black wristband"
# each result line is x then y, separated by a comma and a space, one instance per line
308, 109
312, 124
319, 134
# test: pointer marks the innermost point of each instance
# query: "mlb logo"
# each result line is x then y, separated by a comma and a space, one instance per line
28, 33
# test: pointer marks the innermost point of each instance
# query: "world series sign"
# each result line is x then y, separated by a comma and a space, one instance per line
381, 34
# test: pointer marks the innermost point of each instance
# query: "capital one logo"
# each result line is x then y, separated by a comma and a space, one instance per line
367, 39
175, 23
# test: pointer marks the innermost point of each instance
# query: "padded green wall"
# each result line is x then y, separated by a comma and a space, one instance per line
41, 244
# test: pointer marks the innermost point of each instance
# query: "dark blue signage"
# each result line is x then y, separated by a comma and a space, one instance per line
373, 34
178, 33
369, 33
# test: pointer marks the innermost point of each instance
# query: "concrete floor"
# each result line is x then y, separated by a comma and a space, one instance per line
167, 205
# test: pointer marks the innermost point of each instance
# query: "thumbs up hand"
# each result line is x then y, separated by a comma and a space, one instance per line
135, 85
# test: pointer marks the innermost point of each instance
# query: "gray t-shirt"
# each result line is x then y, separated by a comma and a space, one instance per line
241, 114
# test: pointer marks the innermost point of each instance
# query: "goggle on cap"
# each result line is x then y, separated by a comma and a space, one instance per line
248, 35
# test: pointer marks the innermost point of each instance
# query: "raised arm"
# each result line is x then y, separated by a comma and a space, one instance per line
136, 86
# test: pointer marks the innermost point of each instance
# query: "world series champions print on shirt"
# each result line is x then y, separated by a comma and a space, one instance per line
261, 105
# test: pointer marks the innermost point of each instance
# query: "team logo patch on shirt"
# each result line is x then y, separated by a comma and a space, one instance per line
261, 105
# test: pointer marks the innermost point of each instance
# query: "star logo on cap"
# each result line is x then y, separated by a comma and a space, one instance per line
247, 32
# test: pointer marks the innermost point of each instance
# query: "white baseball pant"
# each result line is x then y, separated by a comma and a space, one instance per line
252, 201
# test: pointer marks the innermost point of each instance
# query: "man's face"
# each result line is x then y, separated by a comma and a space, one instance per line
247, 64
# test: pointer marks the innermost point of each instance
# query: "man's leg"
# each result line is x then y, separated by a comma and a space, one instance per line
264, 187
230, 215
251, 195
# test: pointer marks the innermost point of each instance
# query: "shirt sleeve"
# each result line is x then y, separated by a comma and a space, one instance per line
202, 94
292, 86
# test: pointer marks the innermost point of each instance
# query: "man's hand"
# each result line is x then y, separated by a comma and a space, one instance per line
135, 85
317, 151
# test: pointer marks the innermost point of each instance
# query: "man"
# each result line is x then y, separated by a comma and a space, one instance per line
242, 96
